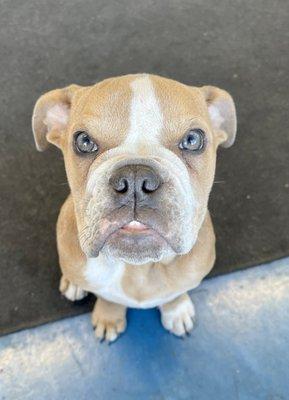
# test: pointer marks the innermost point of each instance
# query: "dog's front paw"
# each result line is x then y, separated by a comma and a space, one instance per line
108, 319
70, 291
178, 315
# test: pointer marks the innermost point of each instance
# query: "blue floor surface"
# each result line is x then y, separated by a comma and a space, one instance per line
238, 350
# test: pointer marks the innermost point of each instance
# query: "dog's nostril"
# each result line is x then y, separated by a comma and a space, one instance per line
120, 185
148, 181
149, 186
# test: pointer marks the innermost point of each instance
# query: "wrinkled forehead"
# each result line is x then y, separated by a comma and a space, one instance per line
137, 107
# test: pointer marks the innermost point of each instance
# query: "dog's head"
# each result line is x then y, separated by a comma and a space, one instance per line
140, 155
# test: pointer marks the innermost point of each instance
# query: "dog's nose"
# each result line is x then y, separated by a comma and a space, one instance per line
139, 179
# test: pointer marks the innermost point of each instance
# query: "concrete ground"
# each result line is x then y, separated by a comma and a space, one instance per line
238, 350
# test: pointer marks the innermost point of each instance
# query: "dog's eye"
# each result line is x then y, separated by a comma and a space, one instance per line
194, 140
84, 144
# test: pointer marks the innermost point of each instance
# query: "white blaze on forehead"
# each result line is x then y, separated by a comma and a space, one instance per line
146, 119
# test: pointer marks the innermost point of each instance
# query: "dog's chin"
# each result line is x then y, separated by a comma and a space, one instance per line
137, 248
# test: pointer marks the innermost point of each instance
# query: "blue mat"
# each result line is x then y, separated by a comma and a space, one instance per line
239, 350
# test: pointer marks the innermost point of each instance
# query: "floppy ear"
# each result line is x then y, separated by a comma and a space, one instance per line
51, 115
222, 113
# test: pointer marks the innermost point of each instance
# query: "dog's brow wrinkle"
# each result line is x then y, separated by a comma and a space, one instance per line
145, 114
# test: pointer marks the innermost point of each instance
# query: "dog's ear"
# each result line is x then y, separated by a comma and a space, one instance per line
51, 115
222, 113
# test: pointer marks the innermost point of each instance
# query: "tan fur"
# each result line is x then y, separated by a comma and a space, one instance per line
108, 319
181, 274
103, 111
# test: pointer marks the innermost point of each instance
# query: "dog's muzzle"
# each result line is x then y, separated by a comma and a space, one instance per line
142, 217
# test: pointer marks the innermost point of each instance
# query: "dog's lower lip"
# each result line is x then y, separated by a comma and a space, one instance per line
135, 227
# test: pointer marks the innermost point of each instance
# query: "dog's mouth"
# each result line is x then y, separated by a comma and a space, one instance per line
135, 227
135, 233
142, 236
136, 242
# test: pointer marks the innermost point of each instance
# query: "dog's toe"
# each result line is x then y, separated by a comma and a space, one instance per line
109, 330
108, 319
179, 320
70, 291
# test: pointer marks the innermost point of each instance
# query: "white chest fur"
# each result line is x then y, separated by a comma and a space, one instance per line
104, 278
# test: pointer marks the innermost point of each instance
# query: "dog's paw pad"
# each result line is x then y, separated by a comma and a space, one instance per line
108, 330
70, 291
180, 319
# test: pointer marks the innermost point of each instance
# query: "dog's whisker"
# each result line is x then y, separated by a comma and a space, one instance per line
62, 184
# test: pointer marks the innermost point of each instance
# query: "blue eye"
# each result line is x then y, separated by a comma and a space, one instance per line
84, 144
194, 141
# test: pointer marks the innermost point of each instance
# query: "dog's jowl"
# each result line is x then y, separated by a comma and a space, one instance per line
140, 156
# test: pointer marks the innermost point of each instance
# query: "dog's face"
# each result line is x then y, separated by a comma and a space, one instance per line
140, 155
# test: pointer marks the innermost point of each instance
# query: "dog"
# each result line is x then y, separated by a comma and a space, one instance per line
140, 156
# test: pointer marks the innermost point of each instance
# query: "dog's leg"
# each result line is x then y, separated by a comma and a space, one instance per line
70, 291
177, 316
71, 257
108, 319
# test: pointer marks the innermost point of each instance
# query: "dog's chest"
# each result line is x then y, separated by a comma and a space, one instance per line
105, 279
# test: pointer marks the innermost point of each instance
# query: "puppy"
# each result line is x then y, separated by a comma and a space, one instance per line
140, 156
